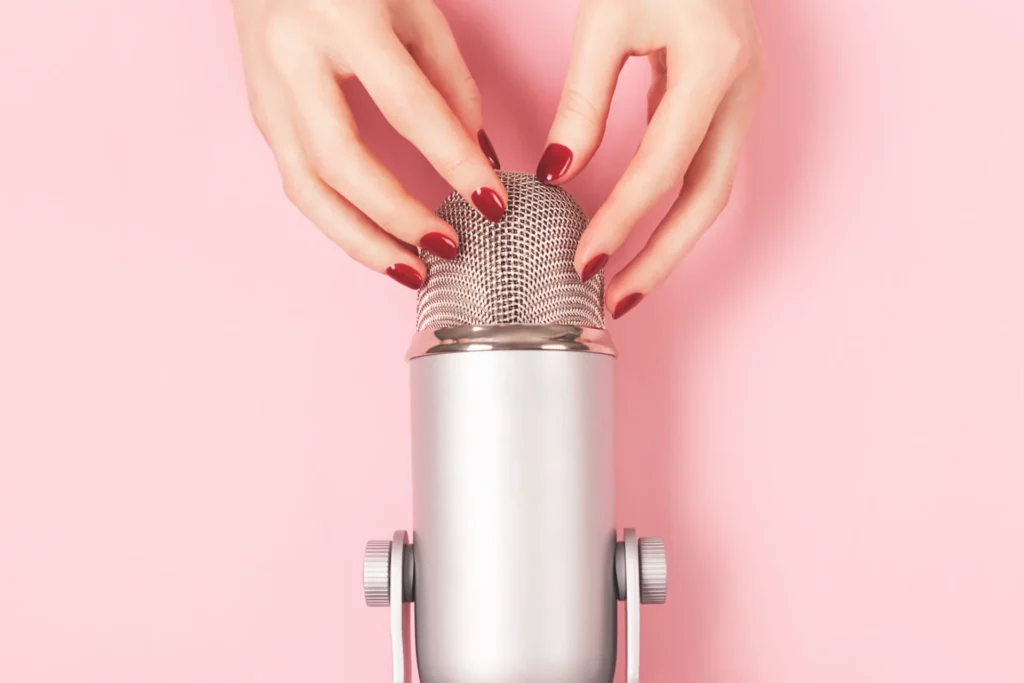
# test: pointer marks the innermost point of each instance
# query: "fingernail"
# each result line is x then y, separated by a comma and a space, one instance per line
554, 163
626, 305
488, 148
596, 264
406, 275
489, 203
440, 245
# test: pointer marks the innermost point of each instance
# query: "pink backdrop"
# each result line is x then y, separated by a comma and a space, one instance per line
823, 411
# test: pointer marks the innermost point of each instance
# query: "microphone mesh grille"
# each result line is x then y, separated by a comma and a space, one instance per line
517, 271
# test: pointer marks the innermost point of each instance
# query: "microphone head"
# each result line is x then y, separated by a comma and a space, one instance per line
518, 271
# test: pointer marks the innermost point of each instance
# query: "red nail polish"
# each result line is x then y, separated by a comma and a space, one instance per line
440, 245
596, 264
554, 163
626, 305
488, 148
406, 275
489, 203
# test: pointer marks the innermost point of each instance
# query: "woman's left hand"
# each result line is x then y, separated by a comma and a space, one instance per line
707, 73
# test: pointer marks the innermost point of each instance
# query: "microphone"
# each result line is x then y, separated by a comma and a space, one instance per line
515, 569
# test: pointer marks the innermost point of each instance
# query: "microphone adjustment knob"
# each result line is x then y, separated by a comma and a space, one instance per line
377, 574
653, 571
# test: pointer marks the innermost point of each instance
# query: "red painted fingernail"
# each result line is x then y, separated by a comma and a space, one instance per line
554, 162
440, 245
406, 275
626, 305
596, 264
488, 148
489, 203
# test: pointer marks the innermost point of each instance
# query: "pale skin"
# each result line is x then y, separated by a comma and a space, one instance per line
707, 73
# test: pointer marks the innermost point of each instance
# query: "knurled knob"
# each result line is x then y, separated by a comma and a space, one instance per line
653, 571
377, 573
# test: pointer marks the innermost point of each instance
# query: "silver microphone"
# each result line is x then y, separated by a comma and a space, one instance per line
515, 568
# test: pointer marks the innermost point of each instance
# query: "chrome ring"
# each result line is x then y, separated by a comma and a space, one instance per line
511, 338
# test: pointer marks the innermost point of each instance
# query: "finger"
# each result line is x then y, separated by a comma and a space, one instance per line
597, 58
673, 137
433, 47
704, 195
417, 111
345, 225
335, 153
659, 82
350, 229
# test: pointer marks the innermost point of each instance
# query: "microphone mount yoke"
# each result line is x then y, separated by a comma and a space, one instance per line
640, 571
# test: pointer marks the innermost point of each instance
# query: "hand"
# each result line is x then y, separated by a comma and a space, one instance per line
707, 73
295, 53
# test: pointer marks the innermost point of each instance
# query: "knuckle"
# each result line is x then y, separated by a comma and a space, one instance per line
669, 176
728, 50
301, 186
259, 115
452, 166
758, 73
405, 114
393, 211
576, 105
353, 248
665, 172
471, 93
719, 198
723, 51
668, 241
299, 189
332, 161
282, 32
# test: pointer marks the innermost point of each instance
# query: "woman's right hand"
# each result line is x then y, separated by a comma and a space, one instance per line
295, 53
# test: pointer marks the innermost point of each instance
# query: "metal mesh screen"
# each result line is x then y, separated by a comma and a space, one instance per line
518, 271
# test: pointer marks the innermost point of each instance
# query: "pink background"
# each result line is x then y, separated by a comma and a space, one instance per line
203, 403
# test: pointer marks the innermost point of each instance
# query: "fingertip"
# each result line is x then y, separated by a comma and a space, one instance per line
625, 304
490, 203
554, 163
440, 245
488, 149
407, 275
593, 267
623, 291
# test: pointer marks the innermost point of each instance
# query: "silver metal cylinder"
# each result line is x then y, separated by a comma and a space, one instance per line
514, 520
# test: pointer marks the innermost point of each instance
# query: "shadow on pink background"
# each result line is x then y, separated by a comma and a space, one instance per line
203, 403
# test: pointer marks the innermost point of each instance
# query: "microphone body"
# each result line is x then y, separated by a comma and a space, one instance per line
514, 568
514, 522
